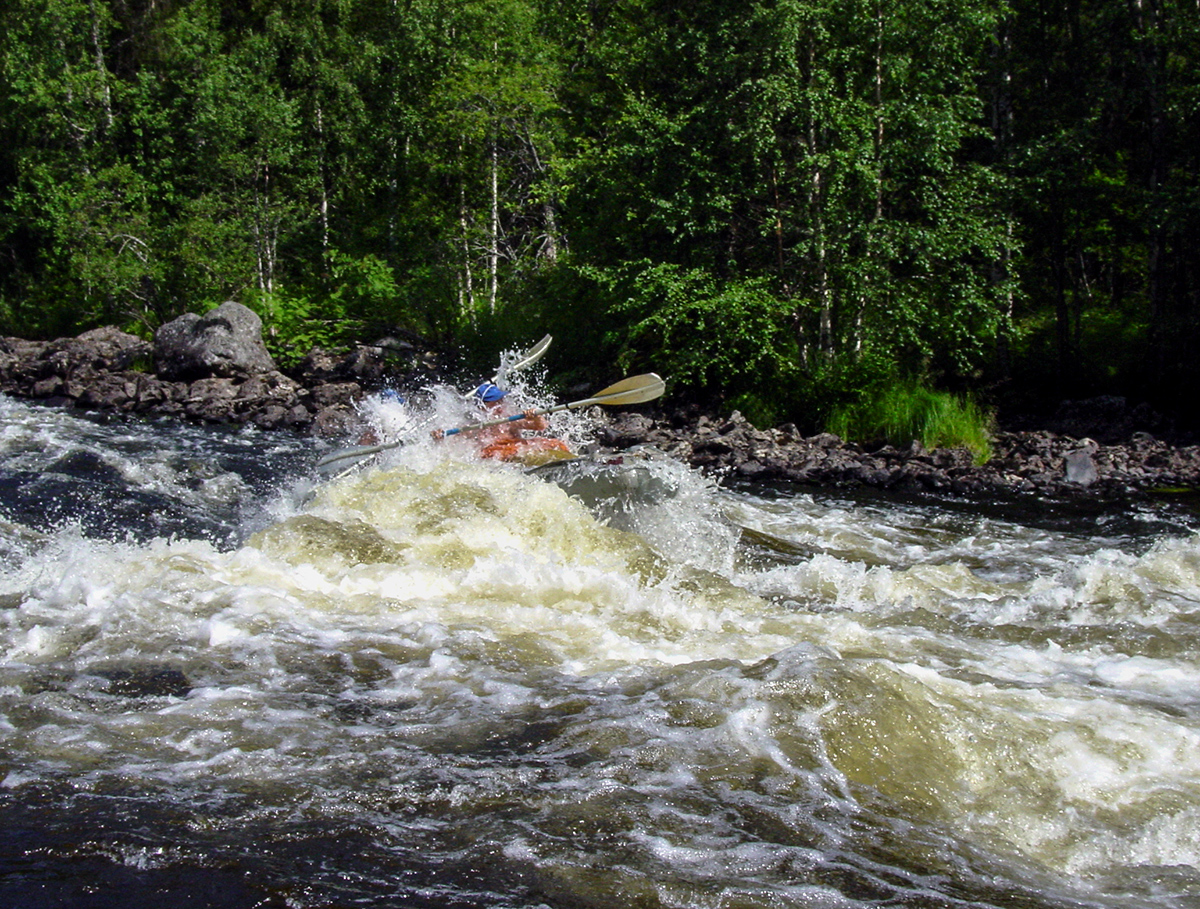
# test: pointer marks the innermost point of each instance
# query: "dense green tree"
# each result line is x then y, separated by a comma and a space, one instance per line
75, 215
810, 195
1105, 139
493, 109
822, 144
884, 228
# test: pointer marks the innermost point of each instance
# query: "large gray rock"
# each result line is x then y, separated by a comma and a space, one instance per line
225, 343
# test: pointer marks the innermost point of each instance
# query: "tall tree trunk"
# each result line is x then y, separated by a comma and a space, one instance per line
1147, 20
1062, 311
466, 295
1002, 128
266, 233
863, 292
820, 263
101, 67
323, 177
816, 205
494, 229
550, 241
549, 248
821, 266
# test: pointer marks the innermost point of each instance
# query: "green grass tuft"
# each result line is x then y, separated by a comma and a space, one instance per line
905, 412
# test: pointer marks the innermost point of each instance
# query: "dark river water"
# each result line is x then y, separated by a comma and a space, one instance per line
227, 681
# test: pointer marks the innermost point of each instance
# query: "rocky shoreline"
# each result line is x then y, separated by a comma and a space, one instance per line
215, 370
1027, 462
228, 379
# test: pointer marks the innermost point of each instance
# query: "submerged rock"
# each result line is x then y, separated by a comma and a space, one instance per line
146, 682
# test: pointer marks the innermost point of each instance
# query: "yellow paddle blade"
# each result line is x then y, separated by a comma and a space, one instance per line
634, 390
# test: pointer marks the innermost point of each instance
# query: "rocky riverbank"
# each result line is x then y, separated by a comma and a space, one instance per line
214, 369
1040, 462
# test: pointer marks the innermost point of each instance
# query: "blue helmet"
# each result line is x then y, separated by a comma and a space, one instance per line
489, 393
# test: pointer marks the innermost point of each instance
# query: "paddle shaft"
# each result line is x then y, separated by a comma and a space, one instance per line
438, 434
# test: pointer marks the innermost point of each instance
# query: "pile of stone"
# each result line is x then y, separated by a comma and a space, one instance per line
213, 368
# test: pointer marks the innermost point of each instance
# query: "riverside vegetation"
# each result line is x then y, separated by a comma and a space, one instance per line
785, 206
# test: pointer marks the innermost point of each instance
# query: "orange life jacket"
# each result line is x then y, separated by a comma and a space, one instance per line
509, 449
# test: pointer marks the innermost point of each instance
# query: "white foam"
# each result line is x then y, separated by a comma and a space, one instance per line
881, 665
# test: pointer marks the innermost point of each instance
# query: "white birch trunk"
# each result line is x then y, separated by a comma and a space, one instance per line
494, 232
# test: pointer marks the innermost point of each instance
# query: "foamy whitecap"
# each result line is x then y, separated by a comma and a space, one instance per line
725, 695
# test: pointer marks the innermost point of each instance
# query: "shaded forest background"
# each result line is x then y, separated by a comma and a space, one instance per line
781, 204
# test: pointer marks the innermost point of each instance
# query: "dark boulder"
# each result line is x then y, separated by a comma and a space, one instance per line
627, 430
116, 391
367, 364
212, 400
320, 366
94, 353
43, 367
335, 421
332, 394
16, 355
270, 387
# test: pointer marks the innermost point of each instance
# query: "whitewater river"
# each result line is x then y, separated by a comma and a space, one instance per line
437, 683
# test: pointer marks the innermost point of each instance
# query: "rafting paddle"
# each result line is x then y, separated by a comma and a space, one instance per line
528, 358
634, 390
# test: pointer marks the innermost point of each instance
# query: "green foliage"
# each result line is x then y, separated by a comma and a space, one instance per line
776, 203
839, 382
572, 305
364, 293
293, 324
359, 301
902, 412
764, 409
1104, 160
708, 336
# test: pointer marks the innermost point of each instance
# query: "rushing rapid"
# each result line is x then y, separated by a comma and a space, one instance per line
432, 681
